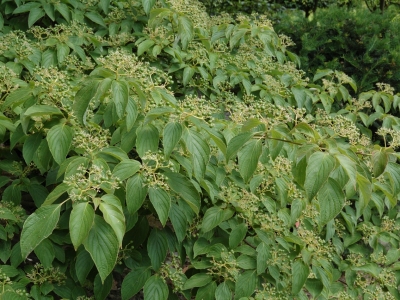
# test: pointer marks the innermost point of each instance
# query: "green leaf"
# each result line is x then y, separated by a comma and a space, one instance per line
49, 9
365, 188
42, 110
38, 226
134, 282
83, 98
126, 169
157, 247
161, 203
206, 292
102, 244
320, 165
31, 146
115, 218
379, 162
236, 143
17, 97
144, 46
26, 7
197, 280
62, 52
49, 58
185, 189
349, 166
263, 254
393, 171
248, 158
102, 290
148, 5
199, 150
45, 252
63, 10
300, 273
120, 93
223, 292
104, 5
59, 138
96, 18
237, 235
56, 193
314, 286
83, 265
212, 218
80, 223
188, 73
179, 221
34, 15
185, 30
171, 136
331, 201
155, 288
245, 284
136, 192
147, 139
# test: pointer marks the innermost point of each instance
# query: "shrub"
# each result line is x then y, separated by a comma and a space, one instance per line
360, 43
150, 144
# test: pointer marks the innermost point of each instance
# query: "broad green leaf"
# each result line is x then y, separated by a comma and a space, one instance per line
197, 280
245, 284
102, 290
115, 152
161, 203
300, 273
136, 192
45, 252
379, 162
393, 171
31, 146
199, 150
131, 114
179, 221
83, 98
148, 5
56, 193
120, 93
38, 226
96, 18
49, 58
115, 218
126, 169
144, 46
263, 254
349, 167
155, 288
17, 97
83, 265
212, 218
62, 52
331, 201
237, 235
171, 136
26, 7
185, 189
104, 5
314, 286
365, 189
42, 110
185, 30
188, 73
236, 143
157, 247
102, 244
59, 138
134, 282
248, 158
223, 292
80, 223
34, 15
147, 139
320, 165
63, 10
206, 292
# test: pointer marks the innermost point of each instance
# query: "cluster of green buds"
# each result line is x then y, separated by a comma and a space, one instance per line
172, 272
39, 275
224, 267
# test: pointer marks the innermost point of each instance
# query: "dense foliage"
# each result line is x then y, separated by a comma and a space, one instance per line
148, 145
362, 44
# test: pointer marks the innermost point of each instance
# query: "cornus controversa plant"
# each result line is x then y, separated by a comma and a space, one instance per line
147, 147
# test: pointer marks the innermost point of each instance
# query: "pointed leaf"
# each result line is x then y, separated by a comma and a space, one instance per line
115, 218
300, 273
136, 192
148, 5
236, 143
155, 288
320, 165
126, 169
59, 138
161, 203
39, 226
102, 244
331, 201
157, 247
197, 280
379, 162
83, 98
246, 284
147, 139
199, 150
134, 282
171, 136
248, 158
120, 93
80, 223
